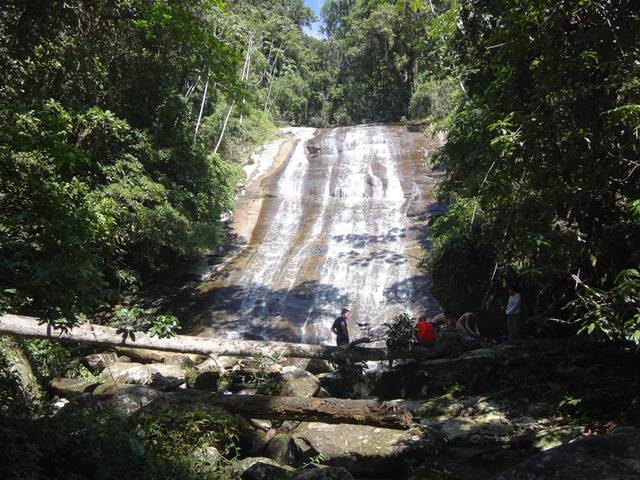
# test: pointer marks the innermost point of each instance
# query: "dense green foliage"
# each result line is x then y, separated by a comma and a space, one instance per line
162, 443
108, 175
385, 56
102, 181
542, 151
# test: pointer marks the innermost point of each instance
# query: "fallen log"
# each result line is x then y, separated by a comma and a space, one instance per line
325, 410
111, 337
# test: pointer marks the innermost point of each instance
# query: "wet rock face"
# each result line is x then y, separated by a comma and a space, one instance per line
329, 218
611, 457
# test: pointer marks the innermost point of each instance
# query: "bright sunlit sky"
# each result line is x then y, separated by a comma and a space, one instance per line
316, 5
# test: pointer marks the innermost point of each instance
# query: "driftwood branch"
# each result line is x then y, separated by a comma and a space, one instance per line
110, 337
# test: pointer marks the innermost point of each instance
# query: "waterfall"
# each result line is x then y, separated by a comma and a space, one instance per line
341, 222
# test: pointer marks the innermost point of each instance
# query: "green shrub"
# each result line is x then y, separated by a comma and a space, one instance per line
80, 443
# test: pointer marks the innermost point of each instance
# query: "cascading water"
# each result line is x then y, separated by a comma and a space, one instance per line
328, 218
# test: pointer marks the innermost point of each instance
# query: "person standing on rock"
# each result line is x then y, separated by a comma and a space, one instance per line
339, 327
467, 324
514, 313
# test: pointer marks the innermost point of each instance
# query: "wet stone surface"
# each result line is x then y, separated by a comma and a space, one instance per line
328, 218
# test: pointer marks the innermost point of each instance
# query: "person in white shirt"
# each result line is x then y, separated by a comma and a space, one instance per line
514, 313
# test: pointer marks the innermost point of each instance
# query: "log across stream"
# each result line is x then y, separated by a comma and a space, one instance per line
111, 337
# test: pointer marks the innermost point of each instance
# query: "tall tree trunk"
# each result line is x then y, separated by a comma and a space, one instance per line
204, 99
226, 118
273, 69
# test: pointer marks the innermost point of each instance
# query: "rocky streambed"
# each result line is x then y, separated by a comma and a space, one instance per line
503, 411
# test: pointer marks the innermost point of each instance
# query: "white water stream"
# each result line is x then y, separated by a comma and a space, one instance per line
340, 224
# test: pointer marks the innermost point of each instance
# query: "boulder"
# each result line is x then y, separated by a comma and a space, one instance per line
97, 362
364, 450
554, 437
160, 376
205, 376
330, 382
207, 381
289, 425
264, 425
488, 428
322, 393
72, 387
260, 468
323, 473
125, 399
612, 457
278, 449
444, 405
318, 365
207, 457
298, 383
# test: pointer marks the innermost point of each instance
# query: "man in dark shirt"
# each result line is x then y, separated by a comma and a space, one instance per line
339, 328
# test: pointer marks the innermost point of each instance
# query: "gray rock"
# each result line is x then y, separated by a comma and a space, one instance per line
109, 389
263, 425
260, 468
207, 457
278, 449
126, 399
72, 387
207, 381
330, 382
546, 439
611, 457
489, 428
98, 361
289, 425
364, 450
160, 376
324, 473
211, 364
444, 405
322, 393
317, 365
205, 376
182, 361
298, 383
